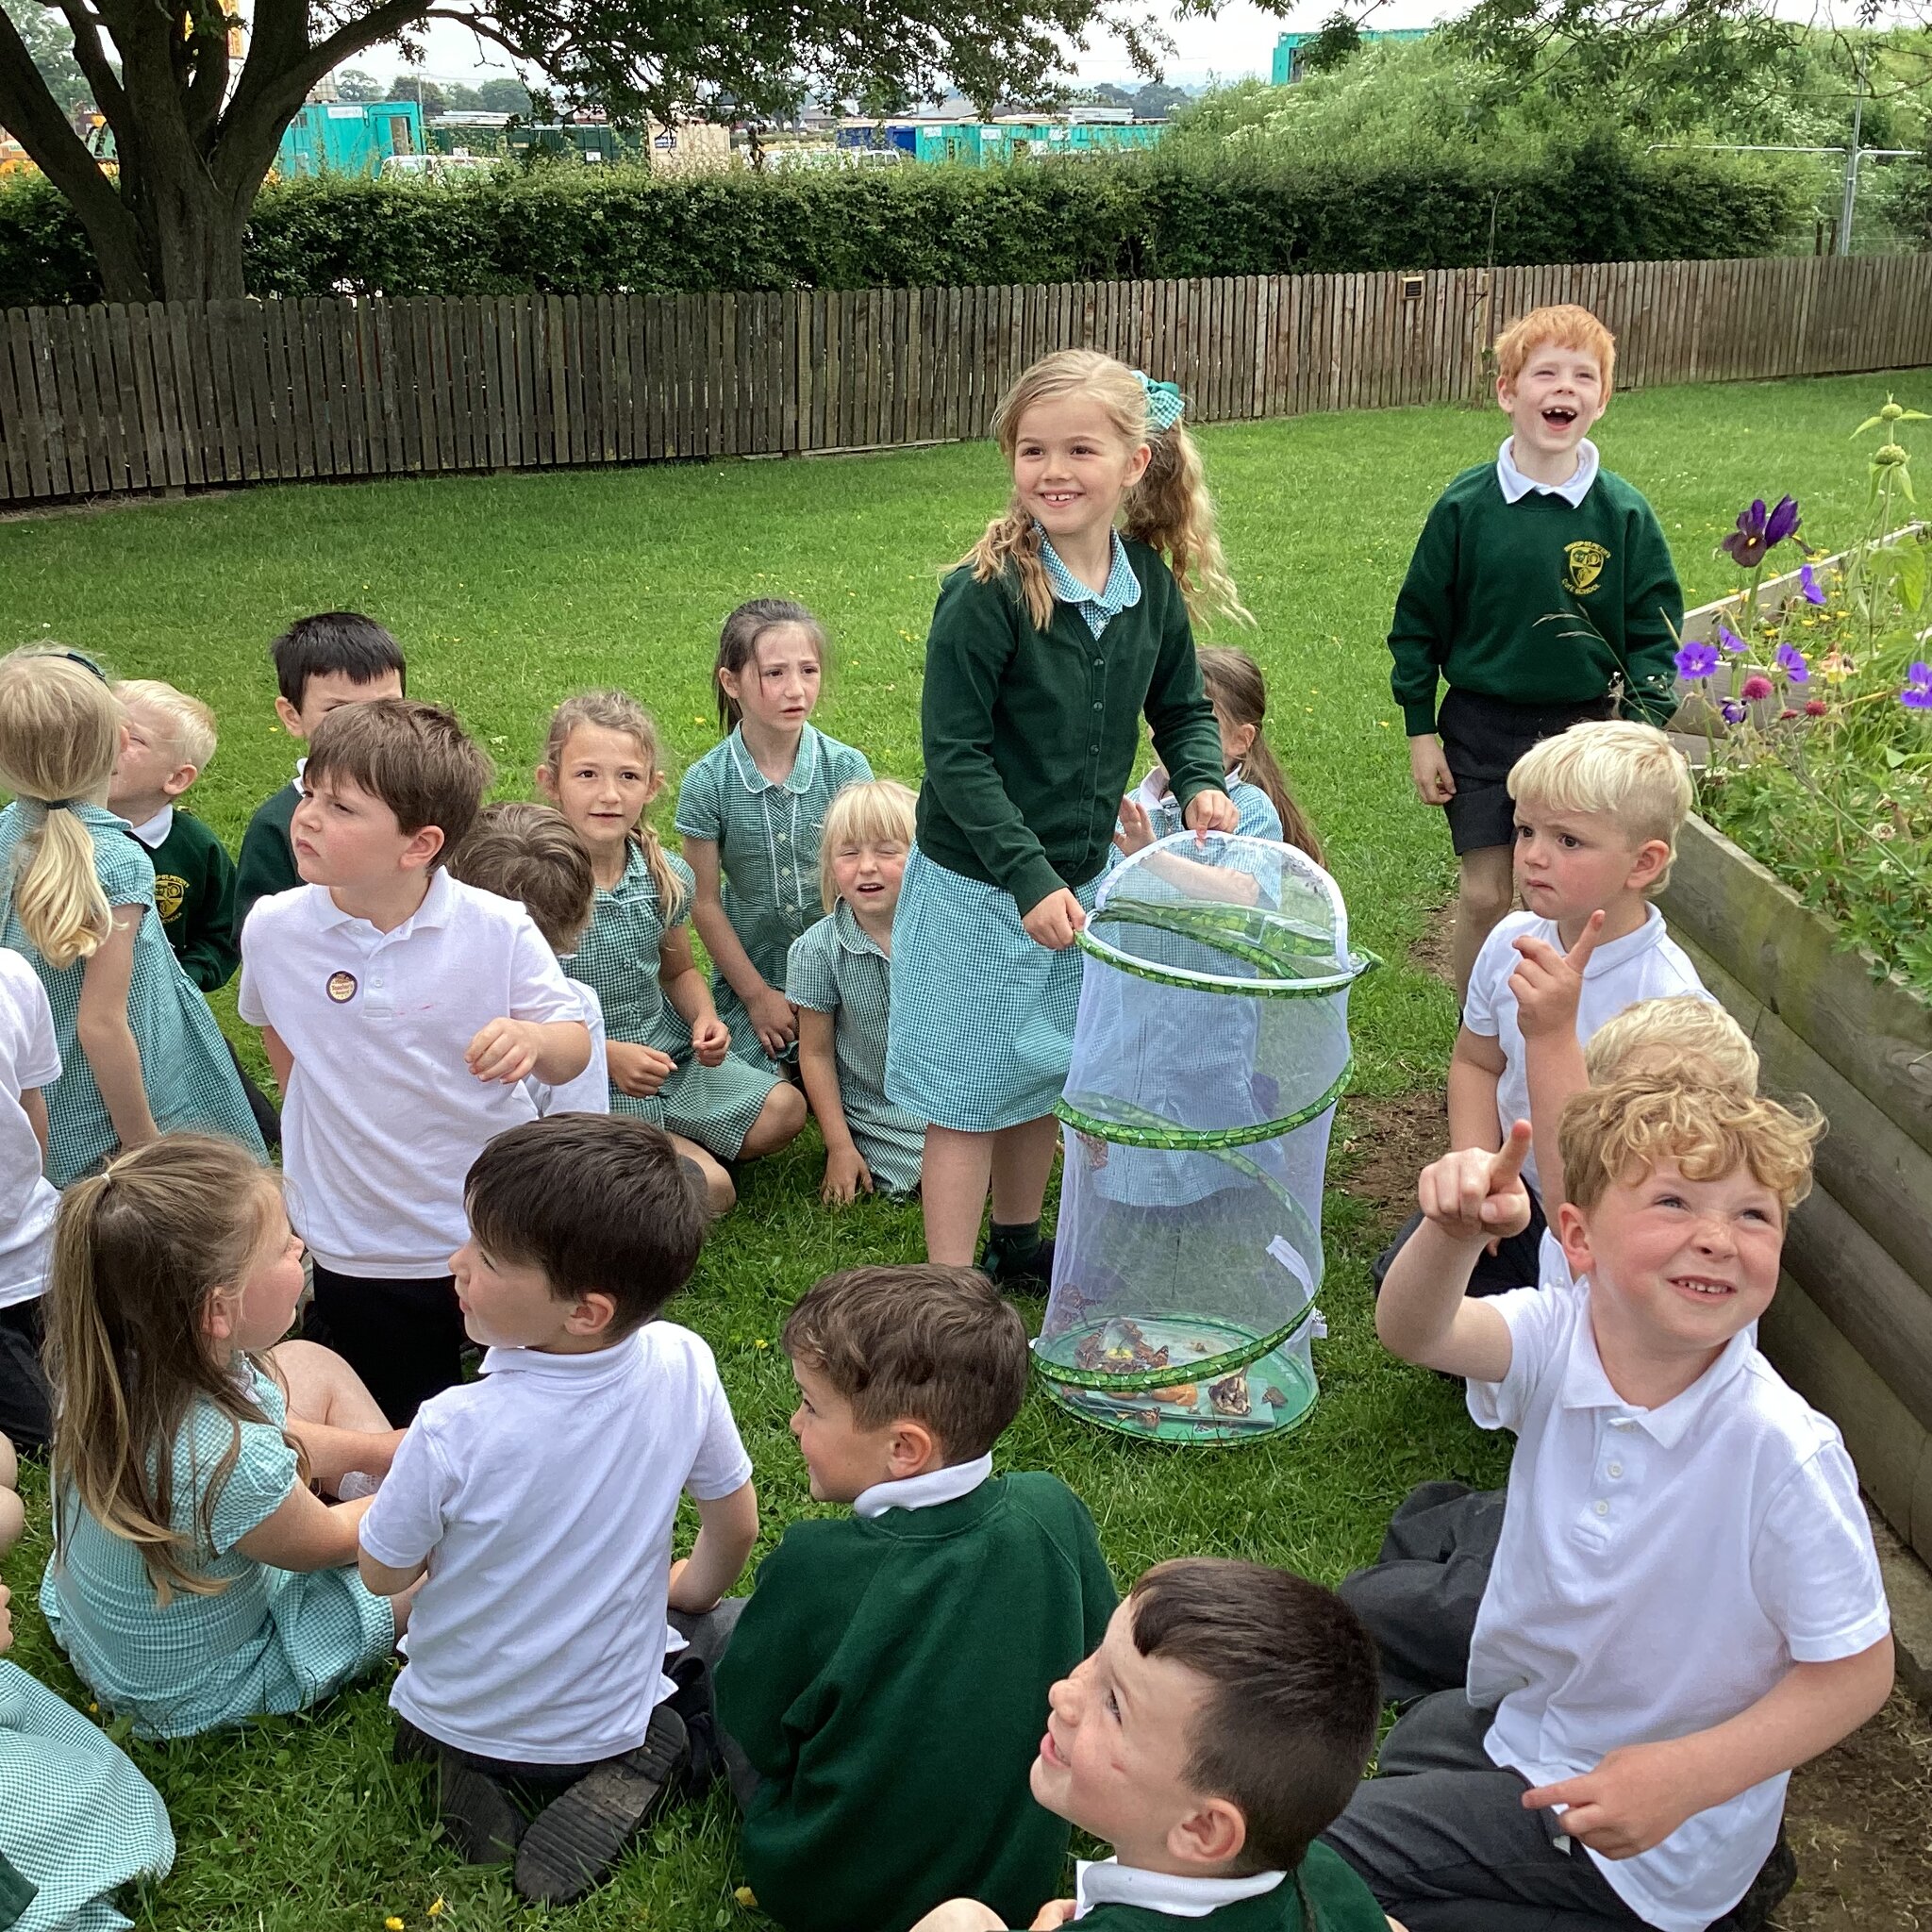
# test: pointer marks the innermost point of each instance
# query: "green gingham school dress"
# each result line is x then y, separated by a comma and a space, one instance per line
271, 1641
189, 1075
767, 837
618, 960
78, 1821
838, 968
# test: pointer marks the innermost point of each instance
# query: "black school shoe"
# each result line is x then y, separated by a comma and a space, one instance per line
579, 1836
1776, 1878
1031, 1276
476, 1811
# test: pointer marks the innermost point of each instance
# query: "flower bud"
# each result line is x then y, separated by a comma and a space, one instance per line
1888, 455
1892, 412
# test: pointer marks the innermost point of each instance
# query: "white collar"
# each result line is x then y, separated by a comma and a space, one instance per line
923, 1492
439, 903
152, 832
1107, 1882
574, 1369
301, 766
1515, 485
1586, 1385
1614, 954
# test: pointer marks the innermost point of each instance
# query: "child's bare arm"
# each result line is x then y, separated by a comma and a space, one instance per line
728, 1528
690, 997
306, 1533
384, 1579
1637, 1795
107, 1042
1468, 1199
33, 1103
1548, 986
1475, 1071
281, 1062
846, 1173
770, 1012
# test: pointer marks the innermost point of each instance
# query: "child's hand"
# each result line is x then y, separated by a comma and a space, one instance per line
636, 1070
504, 1051
1135, 830
1434, 782
1210, 811
773, 1019
1474, 1195
711, 1040
1055, 1913
1055, 921
1549, 984
1634, 1798
846, 1176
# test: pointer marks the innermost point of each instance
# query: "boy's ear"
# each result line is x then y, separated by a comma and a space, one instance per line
1573, 1230
423, 848
1506, 392
1647, 865
291, 719
179, 779
913, 1450
1214, 1833
592, 1313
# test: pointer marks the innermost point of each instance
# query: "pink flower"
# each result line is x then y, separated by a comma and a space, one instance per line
1755, 686
1815, 708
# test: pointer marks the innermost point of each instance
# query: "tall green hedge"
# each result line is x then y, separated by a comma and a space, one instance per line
587, 230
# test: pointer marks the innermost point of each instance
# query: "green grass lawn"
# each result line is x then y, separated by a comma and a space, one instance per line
509, 592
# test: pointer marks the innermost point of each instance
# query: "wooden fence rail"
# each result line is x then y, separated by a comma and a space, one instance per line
168, 396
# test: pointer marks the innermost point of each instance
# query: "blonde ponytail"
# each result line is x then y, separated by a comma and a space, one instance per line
60, 734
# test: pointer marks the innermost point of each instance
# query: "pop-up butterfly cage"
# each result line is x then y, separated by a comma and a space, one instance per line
1211, 1048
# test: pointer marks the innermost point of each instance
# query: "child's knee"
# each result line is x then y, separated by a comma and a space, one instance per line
779, 1122
708, 1177
1485, 885
12, 1518
9, 1465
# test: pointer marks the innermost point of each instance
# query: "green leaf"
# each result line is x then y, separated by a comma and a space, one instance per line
1893, 757
1870, 422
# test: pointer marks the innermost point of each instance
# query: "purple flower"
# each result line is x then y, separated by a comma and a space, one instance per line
1729, 639
1917, 695
1808, 582
1733, 714
1755, 686
1696, 661
1791, 661
1759, 530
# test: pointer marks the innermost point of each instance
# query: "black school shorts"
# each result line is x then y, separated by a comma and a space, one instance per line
1482, 738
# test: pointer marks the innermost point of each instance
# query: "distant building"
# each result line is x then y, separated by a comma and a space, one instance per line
1288, 48
349, 137
983, 143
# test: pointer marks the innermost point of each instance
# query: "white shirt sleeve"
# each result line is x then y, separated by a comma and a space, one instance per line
539, 989
1487, 978
38, 1062
721, 1466
407, 1520
248, 990
1813, 1566
1539, 1321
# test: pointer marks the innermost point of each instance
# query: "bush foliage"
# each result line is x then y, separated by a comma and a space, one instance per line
585, 230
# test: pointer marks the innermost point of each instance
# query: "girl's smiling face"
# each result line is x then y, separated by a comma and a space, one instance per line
778, 685
602, 783
867, 873
1072, 468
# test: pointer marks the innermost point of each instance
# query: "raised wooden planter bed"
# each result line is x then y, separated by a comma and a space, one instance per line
1852, 1324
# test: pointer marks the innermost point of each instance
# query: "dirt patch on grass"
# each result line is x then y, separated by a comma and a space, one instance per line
1385, 1145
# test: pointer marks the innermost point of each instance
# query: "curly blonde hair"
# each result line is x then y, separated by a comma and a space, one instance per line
1168, 508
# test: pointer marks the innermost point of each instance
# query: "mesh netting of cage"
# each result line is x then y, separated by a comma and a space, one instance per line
1211, 1047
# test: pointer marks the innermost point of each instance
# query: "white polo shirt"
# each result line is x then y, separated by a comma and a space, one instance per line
1660, 1571
1646, 964
589, 1092
29, 1057
382, 1118
543, 1497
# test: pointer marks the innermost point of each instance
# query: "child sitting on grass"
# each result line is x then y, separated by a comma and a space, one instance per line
401, 1012
839, 977
1542, 592
322, 662
540, 1503
1223, 1721
1598, 810
883, 1687
196, 1579
79, 1821
749, 813
1684, 1603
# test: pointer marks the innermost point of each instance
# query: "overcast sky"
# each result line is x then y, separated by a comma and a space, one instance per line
1240, 41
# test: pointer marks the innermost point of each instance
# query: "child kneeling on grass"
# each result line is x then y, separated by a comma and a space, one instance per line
196, 1579
1684, 1603
1223, 1721
540, 1502
882, 1691
79, 1821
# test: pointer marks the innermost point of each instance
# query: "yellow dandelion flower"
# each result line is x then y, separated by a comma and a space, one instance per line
746, 1897
437, 1908
391, 1924
761, 1342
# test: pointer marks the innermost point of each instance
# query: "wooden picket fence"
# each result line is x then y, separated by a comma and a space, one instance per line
172, 396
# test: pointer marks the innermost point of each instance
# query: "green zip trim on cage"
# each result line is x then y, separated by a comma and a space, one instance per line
1174, 1139
1209, 926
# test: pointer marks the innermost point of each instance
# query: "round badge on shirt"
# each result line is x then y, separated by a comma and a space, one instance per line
341, 987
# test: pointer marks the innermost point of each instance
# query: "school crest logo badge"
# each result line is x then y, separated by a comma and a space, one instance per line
1587, 562
171, 893
341, 987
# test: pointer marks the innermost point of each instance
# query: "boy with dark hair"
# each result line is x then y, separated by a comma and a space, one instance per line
401, 1012
1542, 592
949, 1597
337, 657
1684, 1603
1220, 1726
539, 1504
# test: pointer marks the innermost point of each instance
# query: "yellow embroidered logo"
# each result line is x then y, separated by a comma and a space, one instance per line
169, 893
1587, 562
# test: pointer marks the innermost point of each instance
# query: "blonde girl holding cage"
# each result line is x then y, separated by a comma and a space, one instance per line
141, 1053
1068, 621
